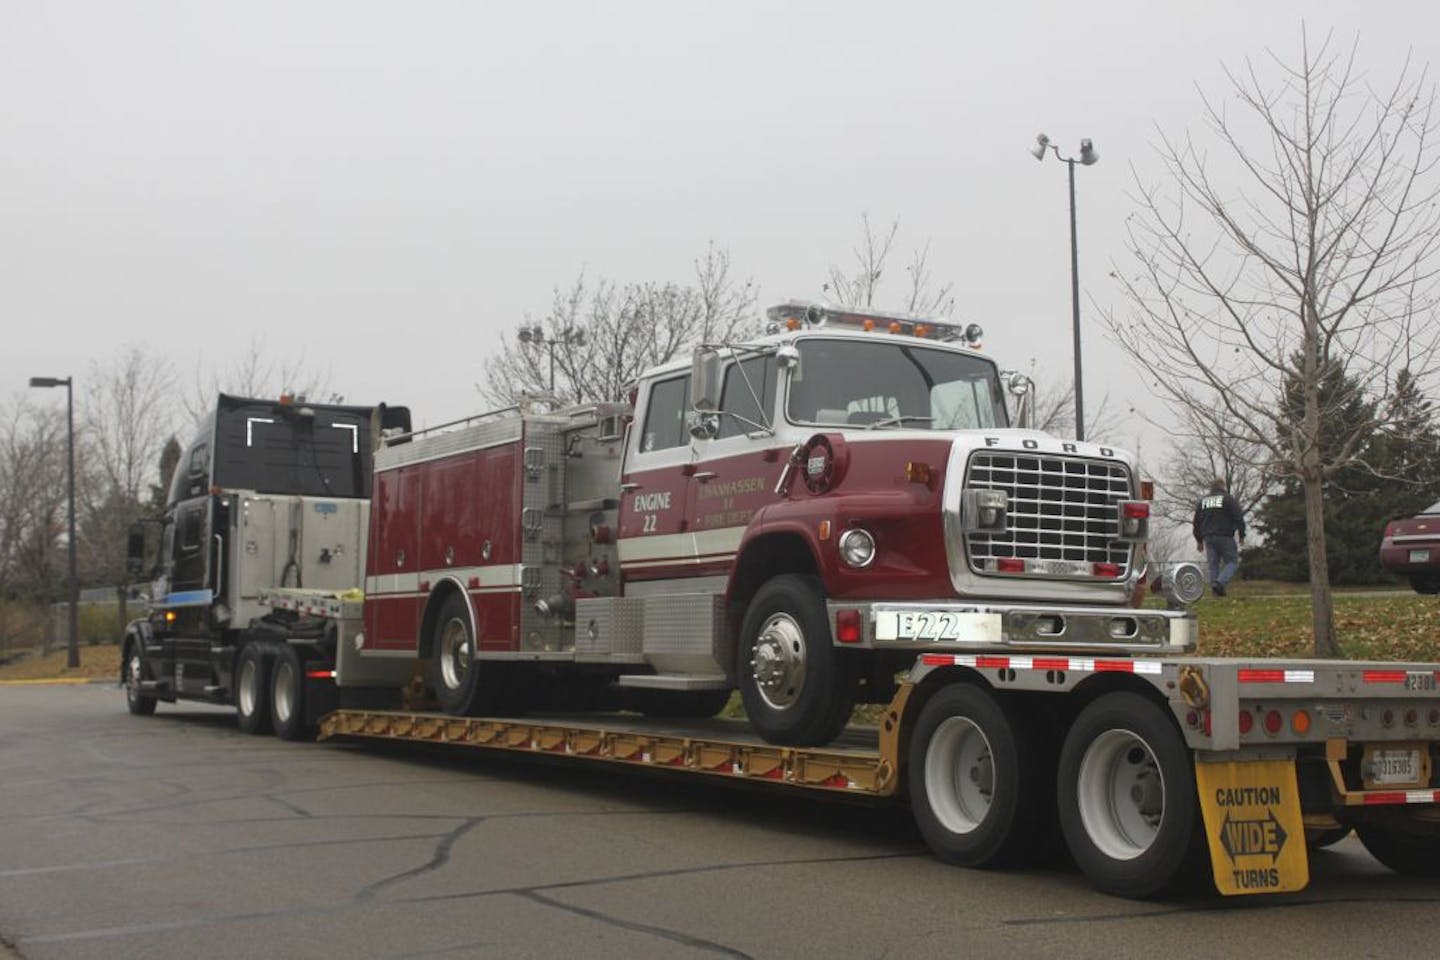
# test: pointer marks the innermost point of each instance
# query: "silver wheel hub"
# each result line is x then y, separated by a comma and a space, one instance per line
456, 653
245, 692
284, 701
959, 774
1121, 793
132, 675
778, 665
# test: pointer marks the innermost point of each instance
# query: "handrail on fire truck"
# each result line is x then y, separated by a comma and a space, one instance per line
394, 438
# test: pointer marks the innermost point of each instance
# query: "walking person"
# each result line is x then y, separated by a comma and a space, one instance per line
1218, 519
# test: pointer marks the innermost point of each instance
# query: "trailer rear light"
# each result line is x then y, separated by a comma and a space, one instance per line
1435, 718
1412, 717
1273, 721
1247, 722
1300, 722
1105, 569
1010, 565
320, 674
847, 626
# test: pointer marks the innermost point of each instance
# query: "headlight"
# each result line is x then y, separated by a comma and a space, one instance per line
857, 547
984, 510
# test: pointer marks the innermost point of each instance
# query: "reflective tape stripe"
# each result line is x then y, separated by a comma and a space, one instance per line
1384, 676
1072, 664
1389, 797
1276, 676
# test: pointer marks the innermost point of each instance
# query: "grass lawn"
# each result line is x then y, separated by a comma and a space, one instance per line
102, 662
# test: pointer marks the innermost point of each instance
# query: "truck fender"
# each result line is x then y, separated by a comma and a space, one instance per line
441, 589
766, 550
138, 631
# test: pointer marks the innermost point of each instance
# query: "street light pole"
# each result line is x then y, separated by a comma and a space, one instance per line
1087, 157
72, 648
536, 334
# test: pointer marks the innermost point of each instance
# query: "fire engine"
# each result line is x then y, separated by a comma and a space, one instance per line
837, 511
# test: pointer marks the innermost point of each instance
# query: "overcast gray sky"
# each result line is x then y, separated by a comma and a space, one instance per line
391, 187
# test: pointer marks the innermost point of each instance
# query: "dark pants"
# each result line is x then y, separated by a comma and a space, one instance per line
1224, 558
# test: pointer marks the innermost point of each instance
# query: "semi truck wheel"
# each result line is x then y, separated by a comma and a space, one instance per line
252, 688
1414, 854
138, 703
287, 695
1127, 799
454, 669
980, 780
798, 689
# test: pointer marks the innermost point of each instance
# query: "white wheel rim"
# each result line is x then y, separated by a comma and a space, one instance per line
455, 653
284, 692
245, 695
959, 774
1121, 793
132, 677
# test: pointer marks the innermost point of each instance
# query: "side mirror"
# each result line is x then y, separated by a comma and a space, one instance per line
135, 550
705, 380
702, 424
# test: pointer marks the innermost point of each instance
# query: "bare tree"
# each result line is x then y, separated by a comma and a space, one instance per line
32, 499
1199, 455
1305, 249
600, 337
857, 286
1051, 408
256, 373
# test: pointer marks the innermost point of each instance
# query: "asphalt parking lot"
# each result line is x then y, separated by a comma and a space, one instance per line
177, 836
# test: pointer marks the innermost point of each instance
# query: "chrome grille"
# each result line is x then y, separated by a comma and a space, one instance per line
1061, 508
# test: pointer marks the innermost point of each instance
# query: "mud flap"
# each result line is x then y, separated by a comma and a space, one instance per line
1253, 825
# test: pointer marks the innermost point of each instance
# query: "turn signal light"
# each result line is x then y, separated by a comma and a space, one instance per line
1147, 489
170, 616
1247, 721
917, 472
1300, 722
1273, 721
847, 626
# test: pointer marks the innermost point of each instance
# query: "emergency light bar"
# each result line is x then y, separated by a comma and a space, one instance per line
800, 314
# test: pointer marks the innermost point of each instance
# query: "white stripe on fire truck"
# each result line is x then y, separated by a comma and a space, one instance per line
982, 661
494, 576
667, 548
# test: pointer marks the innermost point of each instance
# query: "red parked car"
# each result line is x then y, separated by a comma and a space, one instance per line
1411, 548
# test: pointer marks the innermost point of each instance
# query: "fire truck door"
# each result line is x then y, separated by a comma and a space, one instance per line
654, 541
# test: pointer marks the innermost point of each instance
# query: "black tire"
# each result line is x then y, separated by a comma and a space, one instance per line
1426, 583
455, 672
1414, 854
981, 780
252, 688
798, 689
138, 703
287, 695
694, 704
1128, 808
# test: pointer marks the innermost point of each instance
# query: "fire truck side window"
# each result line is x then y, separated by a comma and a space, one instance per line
665, 415
738, 413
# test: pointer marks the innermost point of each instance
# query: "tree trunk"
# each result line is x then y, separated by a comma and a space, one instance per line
1321, 606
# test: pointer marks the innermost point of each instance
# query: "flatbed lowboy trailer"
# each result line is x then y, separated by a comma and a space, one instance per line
1149, 767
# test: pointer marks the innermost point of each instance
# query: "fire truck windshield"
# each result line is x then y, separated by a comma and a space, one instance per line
882, 384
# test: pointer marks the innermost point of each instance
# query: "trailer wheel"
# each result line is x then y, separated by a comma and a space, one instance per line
980, 780
287, 695
1414, 854
454, 668
252, 689
138, 703
1127, 799
798, 689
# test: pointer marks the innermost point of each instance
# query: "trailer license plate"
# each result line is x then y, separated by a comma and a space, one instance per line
1393, 767
1419, 556
967, 627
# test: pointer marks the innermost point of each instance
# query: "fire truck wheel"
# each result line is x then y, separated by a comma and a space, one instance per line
140, 704
697, 704
252, 688
1414, 853
454, 669
980, 780
798, 689
287, 695
1127, 799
